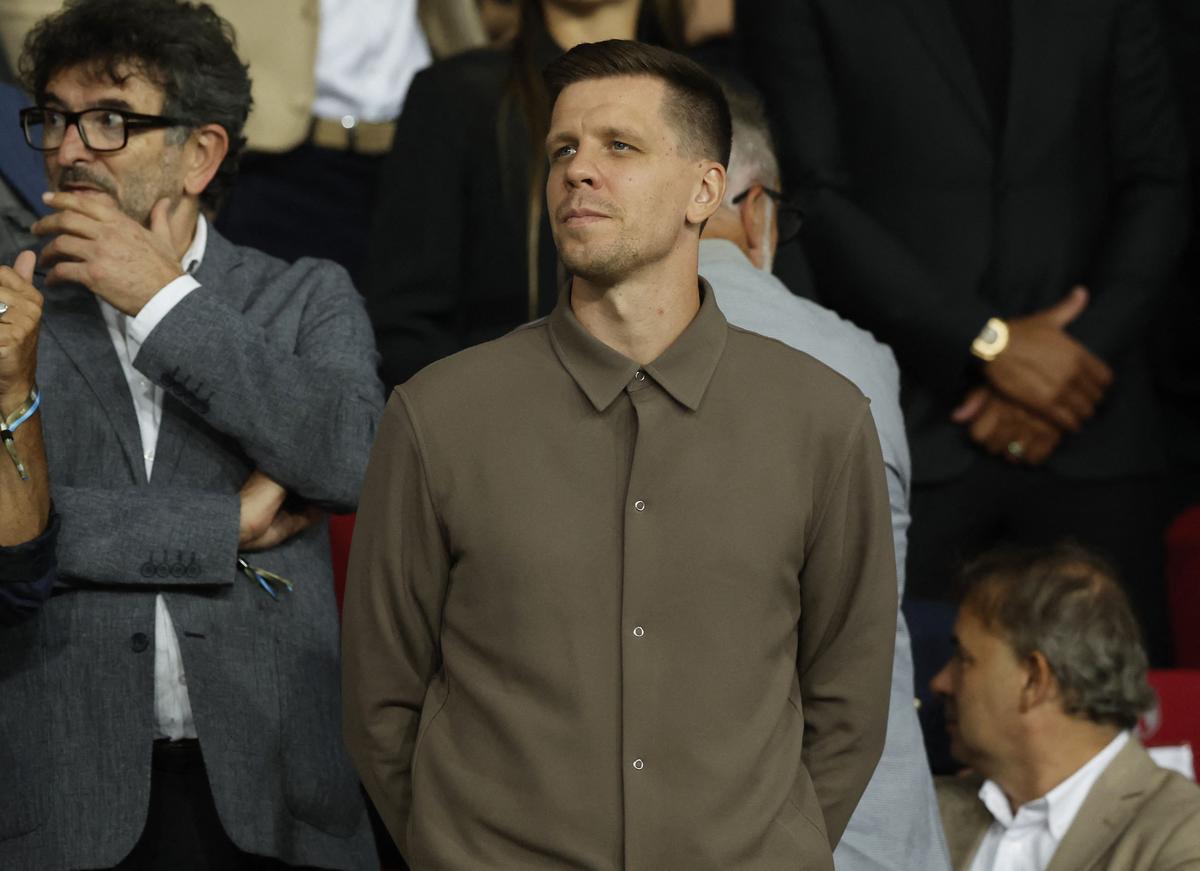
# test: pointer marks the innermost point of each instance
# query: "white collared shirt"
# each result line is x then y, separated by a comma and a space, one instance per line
172, 709
367, 54
1027, 840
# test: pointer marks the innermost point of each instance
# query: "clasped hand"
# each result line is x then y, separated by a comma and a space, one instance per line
97, 245
265, 521
1044, 384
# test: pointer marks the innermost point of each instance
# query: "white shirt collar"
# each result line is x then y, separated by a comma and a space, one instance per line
194, 256
1057, 808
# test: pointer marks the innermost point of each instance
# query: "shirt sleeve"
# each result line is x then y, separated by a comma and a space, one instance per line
159, 307
396, 584
848, 630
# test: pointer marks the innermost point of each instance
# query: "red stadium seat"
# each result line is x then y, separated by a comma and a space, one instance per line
1183, 586
1176, 720
341, 530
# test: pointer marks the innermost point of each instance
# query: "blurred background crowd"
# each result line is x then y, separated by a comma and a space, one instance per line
952, 163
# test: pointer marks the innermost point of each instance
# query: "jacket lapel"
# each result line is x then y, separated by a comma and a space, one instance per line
72, 315
934, 23
1108, 810
965, 818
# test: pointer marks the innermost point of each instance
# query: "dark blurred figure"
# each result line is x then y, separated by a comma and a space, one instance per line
308, 187
1011, 245
7, 76
1045, 686
22, 179
460, 248
1179, 365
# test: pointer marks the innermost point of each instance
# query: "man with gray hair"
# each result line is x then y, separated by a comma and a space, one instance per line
895, 825
1047, 679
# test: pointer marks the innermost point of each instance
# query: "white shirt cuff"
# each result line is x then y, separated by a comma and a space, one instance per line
159, 306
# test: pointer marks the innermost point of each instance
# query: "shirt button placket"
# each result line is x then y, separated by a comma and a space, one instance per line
640, 668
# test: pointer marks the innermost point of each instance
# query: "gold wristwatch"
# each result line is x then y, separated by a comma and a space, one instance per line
992, 339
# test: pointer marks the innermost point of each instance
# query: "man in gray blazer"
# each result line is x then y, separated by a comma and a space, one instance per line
895, 826
175, 703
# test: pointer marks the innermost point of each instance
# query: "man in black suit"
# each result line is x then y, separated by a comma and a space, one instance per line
997, 189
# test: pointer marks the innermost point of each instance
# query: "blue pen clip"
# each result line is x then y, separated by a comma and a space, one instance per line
263, 578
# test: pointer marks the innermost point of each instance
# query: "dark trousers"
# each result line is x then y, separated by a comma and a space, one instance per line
182, 830
995, 503
307, 202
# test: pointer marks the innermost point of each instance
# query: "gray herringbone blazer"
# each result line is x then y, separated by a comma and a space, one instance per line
266, 366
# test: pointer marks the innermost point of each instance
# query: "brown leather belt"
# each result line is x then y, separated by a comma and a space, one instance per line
360, 137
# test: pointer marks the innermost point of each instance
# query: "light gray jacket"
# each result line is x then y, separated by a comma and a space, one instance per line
265, 366
895, 826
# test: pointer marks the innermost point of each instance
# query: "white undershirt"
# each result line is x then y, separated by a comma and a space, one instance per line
367, 54
172, 709
1027, 840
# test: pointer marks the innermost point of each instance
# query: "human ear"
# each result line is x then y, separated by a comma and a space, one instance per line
1039, 686
758, 217
708, 193
204, 151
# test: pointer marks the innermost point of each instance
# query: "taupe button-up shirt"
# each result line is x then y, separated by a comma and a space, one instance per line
602, 616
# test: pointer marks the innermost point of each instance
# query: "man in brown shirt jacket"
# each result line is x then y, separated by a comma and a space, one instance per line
622, 592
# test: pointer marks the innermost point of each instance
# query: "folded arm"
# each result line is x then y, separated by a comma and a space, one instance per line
304, 414
158, 537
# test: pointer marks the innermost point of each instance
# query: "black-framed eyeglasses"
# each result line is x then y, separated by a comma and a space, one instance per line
100, 129
790, 215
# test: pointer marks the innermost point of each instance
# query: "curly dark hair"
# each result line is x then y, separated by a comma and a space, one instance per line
1064, 602
185, 48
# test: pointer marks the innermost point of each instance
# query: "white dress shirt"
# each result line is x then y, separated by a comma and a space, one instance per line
367, 54
172, 709
1026, 841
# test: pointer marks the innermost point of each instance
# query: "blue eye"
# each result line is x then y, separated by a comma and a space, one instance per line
563, 151
618, 145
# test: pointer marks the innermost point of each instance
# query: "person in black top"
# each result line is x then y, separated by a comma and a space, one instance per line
998, 190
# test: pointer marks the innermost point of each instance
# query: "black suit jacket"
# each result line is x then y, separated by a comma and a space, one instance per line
924, 219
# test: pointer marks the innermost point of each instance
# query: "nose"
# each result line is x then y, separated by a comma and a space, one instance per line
940, 683
581, 171
73, 148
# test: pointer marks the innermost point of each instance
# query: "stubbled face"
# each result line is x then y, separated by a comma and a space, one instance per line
619, 184
148, 168
981, 686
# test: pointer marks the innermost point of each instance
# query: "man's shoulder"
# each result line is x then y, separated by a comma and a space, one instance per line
760, 303
1173, 794
257, 275
500, 366
1159, 811
781, 368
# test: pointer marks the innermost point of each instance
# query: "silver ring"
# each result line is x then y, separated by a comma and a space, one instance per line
1016, 449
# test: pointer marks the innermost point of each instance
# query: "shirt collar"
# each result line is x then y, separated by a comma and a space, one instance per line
194, 255
684, 370
1058, 808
